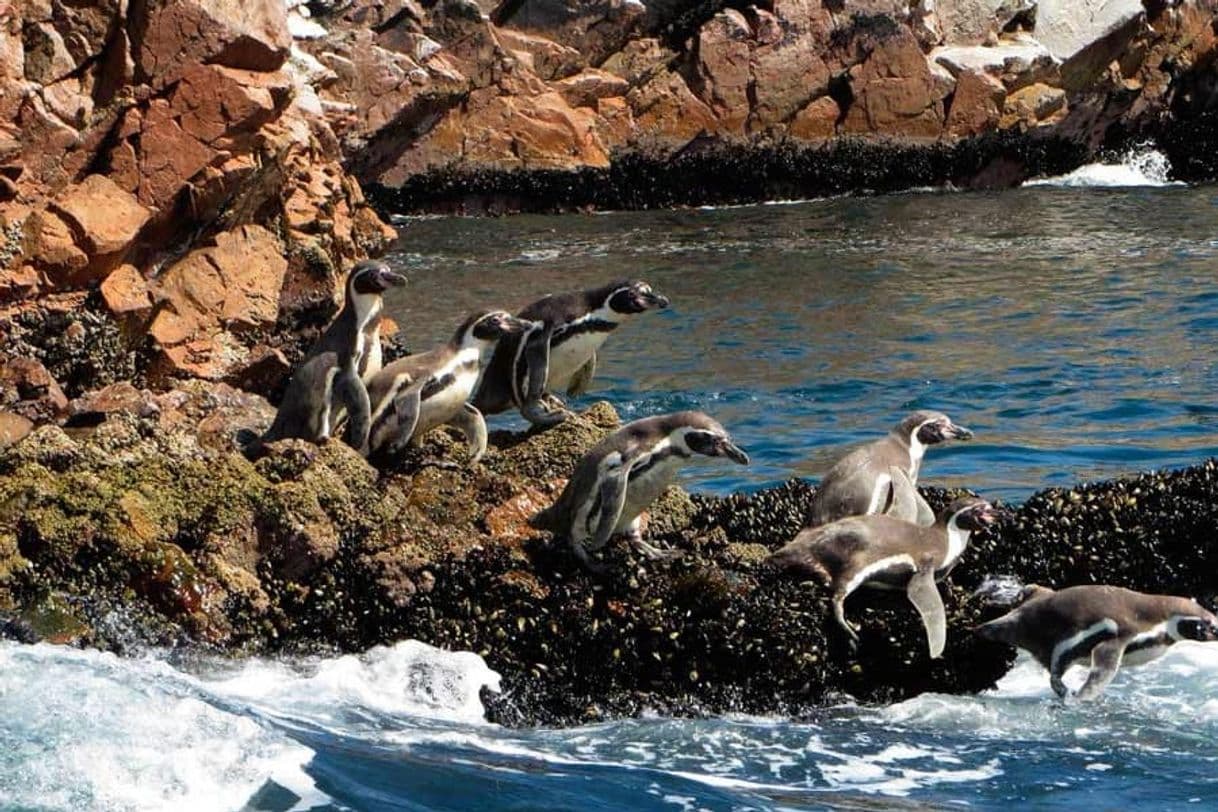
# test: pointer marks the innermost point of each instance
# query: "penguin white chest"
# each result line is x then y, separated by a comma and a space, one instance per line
647, 487
452, 390
569, 356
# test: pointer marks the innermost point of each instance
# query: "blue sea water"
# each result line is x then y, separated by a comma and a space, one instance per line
1072, 327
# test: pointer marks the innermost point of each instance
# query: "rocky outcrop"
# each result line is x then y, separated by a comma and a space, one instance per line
449, 105
140, 524
167, 183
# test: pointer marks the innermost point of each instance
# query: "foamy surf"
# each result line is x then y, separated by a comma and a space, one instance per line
1142, 166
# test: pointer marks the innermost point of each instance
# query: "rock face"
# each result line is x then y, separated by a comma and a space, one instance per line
450, 105
144, 509
165, 181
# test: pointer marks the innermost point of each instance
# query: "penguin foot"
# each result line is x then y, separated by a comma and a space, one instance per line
543, 414
589, 563
654, 553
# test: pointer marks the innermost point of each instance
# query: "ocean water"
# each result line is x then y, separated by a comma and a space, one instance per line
1071, 324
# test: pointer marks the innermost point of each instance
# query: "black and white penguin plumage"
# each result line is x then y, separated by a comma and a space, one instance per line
884, 552
882, 477
1103, 626
559, 354
414, 394
330, 382
623, 474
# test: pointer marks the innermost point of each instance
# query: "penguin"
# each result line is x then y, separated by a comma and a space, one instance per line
559, 353
1105, 626
332, 378
623, 474
414, 394
884, 552
882, 477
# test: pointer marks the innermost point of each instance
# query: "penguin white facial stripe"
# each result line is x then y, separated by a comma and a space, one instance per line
916, 451
892, 561
1093, 634
957, 541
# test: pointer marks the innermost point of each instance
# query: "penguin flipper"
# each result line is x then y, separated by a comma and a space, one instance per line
581, 381
536, 357
359, 409
924, 595
472, 424
402, 418
613, 500
1105, 661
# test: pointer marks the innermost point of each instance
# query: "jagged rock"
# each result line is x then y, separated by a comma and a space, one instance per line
976, 104
1067, 27
28, 390
126, 292
173, 35
1033, 106
13, 429
1014, 63
973, 22
896, 91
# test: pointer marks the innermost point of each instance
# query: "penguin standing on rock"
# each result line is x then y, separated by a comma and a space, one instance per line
413, 395
887, 553
627, 471
882, 477
1105, 626
331, 380
559, 352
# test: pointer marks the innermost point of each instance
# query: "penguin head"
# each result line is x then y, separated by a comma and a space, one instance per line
1202, 628
373, 277
488, 327
931, 428
631, 297
971, 513
703, 435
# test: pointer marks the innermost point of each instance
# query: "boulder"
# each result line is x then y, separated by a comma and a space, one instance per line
13, 429
1015, 63
816, 122
1067, 27
28, 390
972, 22
106, 217
126, 292
173, 35
1033, 106
976, 105
896, 91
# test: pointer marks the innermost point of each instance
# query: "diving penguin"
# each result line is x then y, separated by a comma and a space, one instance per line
1104, 626
882, 477
414, 394
559, 353
331, 380
623, 474
884, 552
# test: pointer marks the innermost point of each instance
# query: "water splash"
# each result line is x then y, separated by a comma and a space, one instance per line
1139, 166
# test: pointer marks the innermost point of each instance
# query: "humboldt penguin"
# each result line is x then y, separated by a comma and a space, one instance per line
621, 476
882, 477
332, 379
1103, 626
559, 353
413, 395
884, 552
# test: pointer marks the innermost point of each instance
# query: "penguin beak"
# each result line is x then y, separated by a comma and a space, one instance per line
953, 432
396, 280
515, 326
733, 452
658, 300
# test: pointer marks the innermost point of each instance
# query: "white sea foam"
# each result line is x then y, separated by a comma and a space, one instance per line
1142, 166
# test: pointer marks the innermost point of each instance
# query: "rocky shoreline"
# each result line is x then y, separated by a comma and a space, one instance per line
149, 529
181, 192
